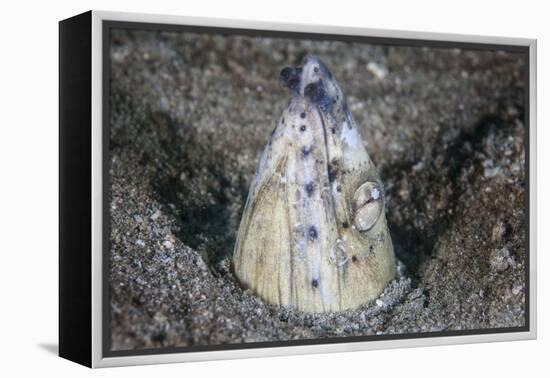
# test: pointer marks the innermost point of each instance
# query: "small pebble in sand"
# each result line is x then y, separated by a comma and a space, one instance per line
378, 70
155, 215
517, 289
418, 166
498, 231
490, 170
501, 259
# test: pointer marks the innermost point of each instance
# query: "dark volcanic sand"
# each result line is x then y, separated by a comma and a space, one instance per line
190, 115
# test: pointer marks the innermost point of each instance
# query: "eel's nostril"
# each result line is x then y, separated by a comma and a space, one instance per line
290, 77
286, 73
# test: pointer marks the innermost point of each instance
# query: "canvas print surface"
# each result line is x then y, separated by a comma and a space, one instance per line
281, 189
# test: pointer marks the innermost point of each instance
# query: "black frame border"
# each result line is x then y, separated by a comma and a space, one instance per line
106, 27
75, 188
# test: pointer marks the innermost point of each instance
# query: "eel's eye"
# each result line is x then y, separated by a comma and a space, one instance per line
368, 205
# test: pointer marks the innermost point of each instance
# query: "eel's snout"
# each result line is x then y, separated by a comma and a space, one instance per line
297, 78
312, 80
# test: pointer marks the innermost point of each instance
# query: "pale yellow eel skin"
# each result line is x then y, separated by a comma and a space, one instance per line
313, 235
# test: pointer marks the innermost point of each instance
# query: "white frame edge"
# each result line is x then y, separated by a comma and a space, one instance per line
97, 196
97, 190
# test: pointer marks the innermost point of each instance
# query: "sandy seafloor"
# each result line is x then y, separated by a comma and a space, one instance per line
190, 114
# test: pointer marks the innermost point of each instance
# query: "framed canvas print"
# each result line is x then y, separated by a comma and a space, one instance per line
233, 189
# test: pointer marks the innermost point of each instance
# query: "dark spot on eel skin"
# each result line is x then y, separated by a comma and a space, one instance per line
354, 258
333, 170
303, 115
306, 151
310, 188
312, 232
333, 130
314, 283
303, 128
371, 248
345, 224
283, 121
338, 188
